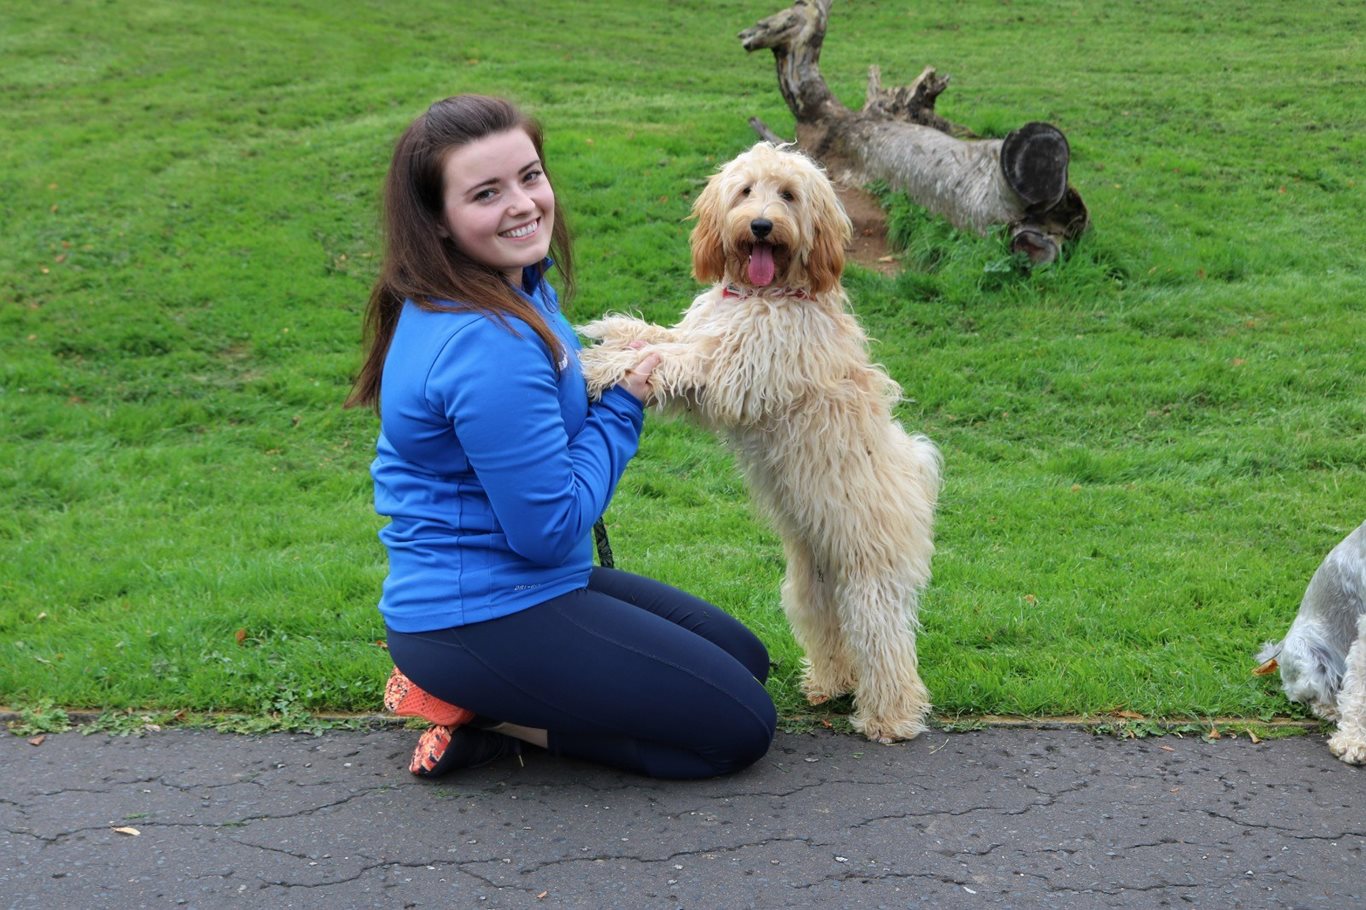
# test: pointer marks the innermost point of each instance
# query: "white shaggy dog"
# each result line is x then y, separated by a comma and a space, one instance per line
1323, 657
771, 358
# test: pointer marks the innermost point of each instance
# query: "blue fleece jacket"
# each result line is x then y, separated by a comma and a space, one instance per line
491, 465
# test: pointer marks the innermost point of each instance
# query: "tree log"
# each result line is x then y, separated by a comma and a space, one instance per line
1019, 181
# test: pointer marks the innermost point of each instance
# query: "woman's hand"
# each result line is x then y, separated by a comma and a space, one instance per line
637, 378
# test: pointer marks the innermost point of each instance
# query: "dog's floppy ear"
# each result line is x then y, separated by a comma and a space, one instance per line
1326, 667
708, 255
825, 263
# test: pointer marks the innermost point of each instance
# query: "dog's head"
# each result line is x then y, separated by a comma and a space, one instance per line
1311, 667
770, 218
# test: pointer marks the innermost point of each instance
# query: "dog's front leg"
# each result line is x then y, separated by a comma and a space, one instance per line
677, 379
621, 342
605, 366
616, 330
1349, 742
680, 379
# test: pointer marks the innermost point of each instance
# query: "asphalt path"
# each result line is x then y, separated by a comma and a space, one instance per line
996, 817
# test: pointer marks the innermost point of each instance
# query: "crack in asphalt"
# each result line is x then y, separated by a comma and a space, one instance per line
976, 814
1282, 829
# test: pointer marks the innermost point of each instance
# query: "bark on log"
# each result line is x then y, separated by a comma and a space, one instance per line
1019, 181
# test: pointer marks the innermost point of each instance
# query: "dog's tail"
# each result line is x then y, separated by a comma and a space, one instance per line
930, 464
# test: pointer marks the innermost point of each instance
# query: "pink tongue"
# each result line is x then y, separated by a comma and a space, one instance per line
761, 265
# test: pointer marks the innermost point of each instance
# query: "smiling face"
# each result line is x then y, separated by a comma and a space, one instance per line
499, 207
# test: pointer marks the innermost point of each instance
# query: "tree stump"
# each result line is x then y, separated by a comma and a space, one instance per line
1019, 181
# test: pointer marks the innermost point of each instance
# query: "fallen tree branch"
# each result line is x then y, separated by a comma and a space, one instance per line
898, 138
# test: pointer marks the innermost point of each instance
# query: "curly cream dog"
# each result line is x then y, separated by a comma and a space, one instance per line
1322, 658
771, 358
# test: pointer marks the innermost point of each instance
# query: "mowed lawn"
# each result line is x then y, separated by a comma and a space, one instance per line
1149, 446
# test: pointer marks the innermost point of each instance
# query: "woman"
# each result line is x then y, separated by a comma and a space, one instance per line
492, 467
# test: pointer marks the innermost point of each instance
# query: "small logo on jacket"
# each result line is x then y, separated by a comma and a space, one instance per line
525, 587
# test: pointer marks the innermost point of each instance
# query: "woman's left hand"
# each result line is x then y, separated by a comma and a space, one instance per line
637, 378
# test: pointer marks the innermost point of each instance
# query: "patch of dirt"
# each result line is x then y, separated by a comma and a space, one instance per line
869, 247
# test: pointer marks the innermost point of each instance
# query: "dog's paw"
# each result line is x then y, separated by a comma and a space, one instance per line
887, 716
821, 695
826, 680
605, 367
616, 331
1348, 746
888, 731
1324, 710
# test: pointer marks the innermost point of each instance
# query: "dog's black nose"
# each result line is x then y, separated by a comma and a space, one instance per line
761, 227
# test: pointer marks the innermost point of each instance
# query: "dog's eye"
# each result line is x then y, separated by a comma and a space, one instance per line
788, 196
745, 191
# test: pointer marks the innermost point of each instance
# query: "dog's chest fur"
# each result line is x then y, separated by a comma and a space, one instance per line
777, 357
792, 389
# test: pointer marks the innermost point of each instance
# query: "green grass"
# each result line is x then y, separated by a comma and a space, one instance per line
1149, 446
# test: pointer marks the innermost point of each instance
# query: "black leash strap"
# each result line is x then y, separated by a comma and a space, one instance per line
604, 546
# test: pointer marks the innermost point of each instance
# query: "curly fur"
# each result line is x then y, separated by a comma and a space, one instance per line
782, 372
1322, 658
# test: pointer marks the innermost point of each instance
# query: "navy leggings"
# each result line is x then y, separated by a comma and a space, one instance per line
627, 672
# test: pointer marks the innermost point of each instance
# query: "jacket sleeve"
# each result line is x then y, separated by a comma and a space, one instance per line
499, 390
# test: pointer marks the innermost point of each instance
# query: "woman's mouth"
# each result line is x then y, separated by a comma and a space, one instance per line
525, 230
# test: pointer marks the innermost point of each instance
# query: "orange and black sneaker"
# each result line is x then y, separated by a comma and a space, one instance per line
443, 749
406, 699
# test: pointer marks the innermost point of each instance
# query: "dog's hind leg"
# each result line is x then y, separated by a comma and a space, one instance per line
1349, 742
878, 619
809, 601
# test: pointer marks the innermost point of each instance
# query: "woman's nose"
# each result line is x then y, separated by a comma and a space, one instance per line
519, 200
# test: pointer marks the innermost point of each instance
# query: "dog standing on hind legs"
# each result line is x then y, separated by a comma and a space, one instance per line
771, 358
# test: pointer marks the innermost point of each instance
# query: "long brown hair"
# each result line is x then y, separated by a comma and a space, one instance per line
420, 263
